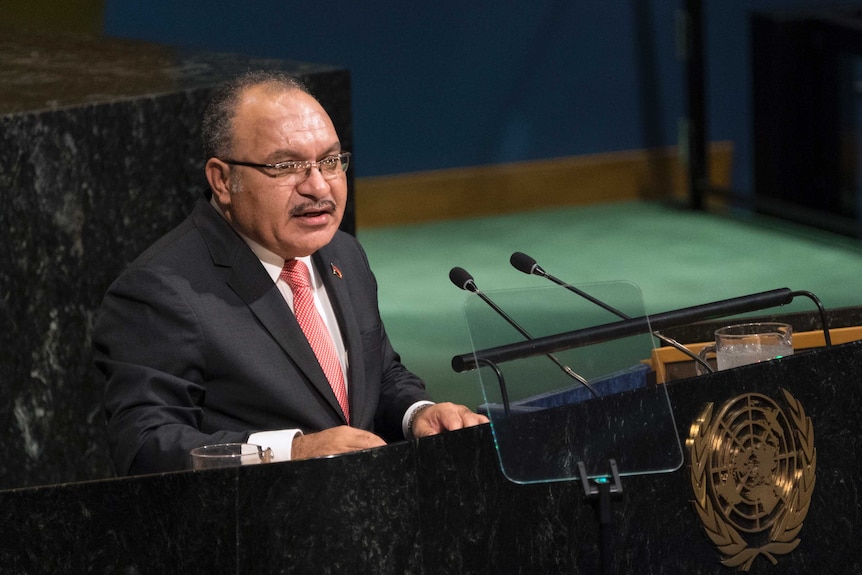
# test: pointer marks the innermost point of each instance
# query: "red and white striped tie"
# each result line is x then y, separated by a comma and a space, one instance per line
295, 273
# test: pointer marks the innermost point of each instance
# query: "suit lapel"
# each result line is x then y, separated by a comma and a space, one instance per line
248, 279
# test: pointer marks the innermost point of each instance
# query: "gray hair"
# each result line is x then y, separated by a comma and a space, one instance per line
217, 125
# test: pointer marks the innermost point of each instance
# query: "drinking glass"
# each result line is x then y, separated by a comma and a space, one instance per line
229, 455
747, 343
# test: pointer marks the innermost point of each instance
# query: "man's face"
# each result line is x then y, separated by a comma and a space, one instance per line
271, 126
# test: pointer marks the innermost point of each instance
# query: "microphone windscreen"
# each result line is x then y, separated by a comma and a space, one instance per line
522, 262
461, 278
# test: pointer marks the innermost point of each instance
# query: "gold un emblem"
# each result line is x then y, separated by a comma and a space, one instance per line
752, 473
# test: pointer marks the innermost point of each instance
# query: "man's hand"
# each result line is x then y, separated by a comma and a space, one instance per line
333, 441
444, 417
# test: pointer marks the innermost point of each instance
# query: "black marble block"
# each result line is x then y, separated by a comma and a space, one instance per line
180, 523
440, 505
99, 155
357, 513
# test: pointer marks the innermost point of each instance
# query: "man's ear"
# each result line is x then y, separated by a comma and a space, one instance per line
218, 175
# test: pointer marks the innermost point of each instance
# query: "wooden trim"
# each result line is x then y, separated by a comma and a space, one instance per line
663, 356
523, 186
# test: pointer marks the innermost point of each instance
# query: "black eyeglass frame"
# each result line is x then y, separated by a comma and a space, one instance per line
301, 166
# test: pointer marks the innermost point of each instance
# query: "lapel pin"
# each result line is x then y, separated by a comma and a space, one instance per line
335, 271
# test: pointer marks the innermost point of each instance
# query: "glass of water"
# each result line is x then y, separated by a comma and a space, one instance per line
746, 343
229, 455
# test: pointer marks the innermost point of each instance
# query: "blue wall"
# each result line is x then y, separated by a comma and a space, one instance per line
469, 82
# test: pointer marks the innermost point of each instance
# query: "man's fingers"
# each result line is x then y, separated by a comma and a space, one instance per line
445, 417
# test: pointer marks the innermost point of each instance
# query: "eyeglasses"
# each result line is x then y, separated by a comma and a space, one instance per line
295, 173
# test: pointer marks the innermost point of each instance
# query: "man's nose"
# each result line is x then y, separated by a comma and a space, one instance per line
314, 183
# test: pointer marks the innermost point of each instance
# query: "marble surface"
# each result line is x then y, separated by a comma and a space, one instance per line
99, 156
441, 505
180, 523
358, 513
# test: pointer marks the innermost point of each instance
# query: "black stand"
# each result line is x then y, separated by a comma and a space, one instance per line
600, 489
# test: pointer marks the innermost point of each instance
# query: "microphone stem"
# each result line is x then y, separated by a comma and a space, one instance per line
503, 314
566, 369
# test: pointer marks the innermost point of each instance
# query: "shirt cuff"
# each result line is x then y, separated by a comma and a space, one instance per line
280, 441
408, 417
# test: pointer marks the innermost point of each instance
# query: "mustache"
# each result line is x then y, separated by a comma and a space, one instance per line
319, 206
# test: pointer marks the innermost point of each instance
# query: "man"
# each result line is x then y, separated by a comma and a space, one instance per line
197, 339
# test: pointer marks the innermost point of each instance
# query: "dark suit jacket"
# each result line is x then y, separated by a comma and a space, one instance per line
198, 346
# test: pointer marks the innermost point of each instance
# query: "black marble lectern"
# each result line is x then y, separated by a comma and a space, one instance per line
440, 505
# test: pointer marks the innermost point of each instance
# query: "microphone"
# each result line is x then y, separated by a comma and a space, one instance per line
524, 263
463, 280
